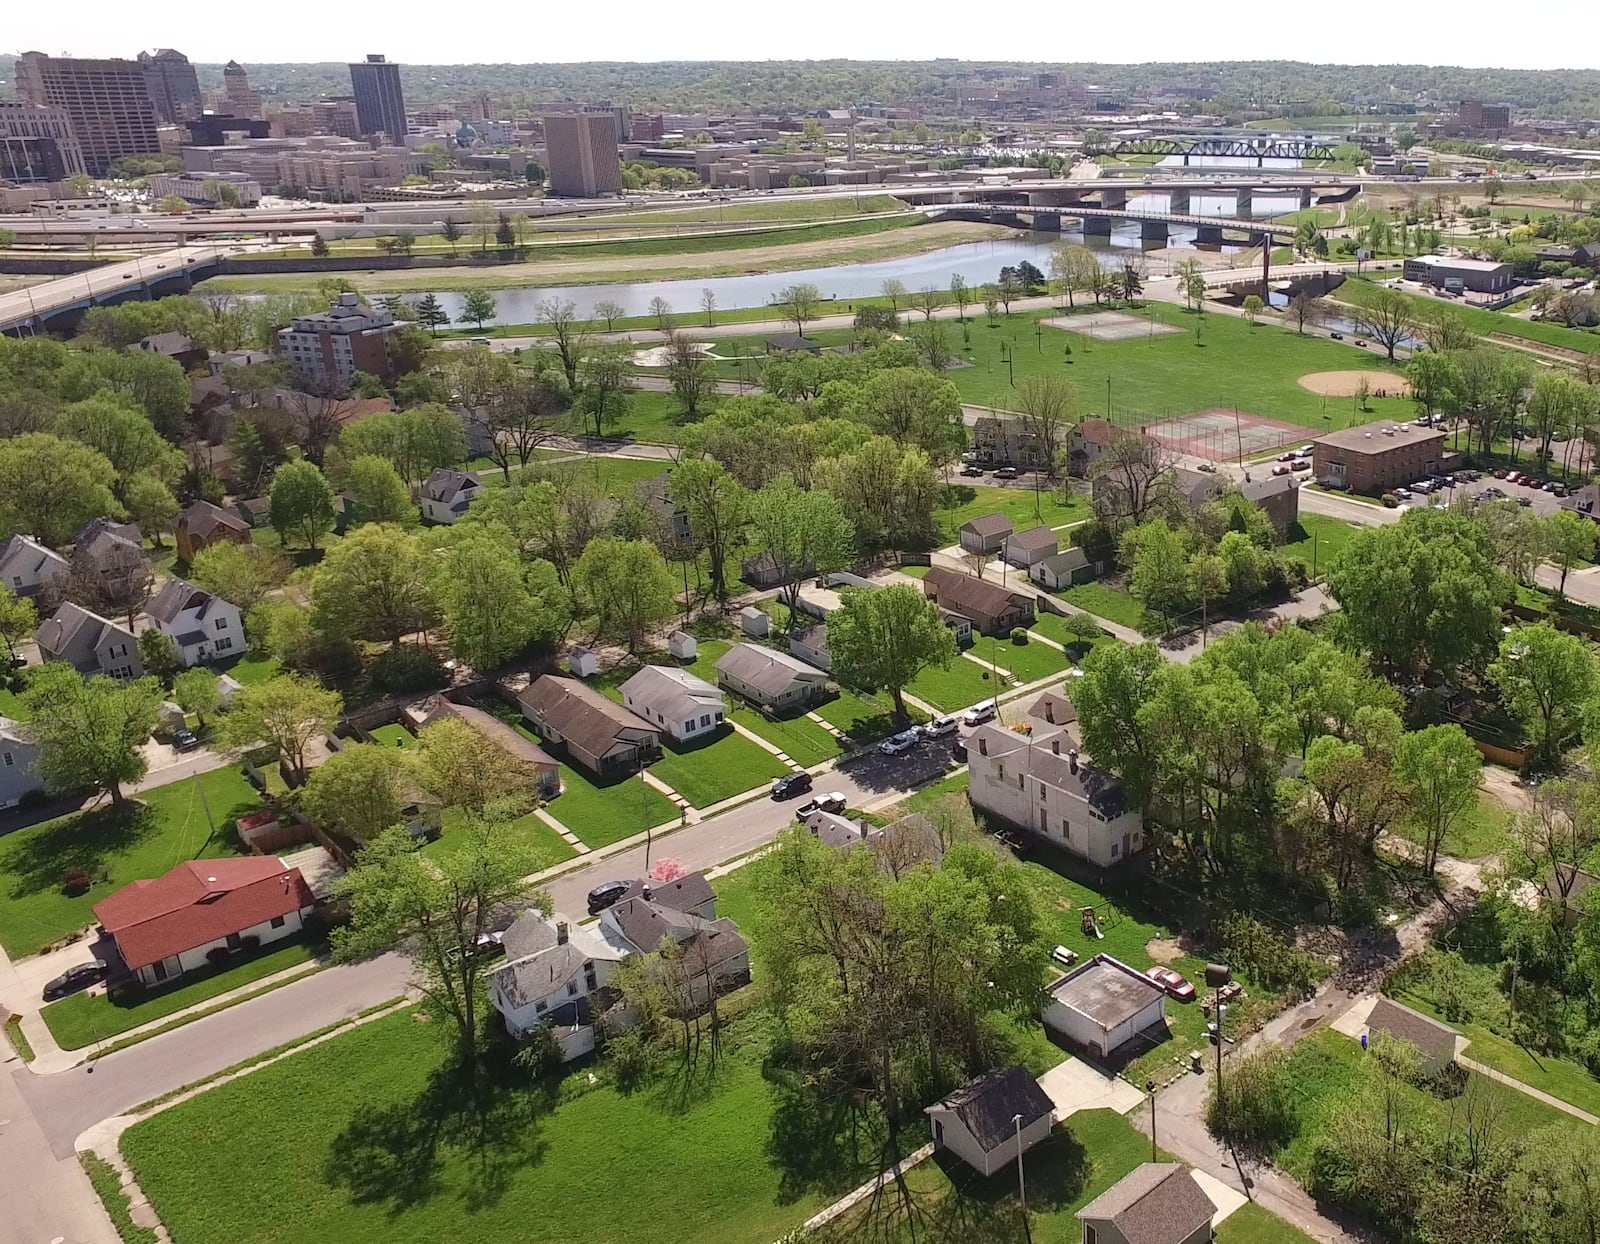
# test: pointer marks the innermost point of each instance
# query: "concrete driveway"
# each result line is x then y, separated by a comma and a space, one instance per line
1078, 1085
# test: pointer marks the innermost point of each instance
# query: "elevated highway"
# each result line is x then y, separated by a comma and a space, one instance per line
25, 311
1097, 221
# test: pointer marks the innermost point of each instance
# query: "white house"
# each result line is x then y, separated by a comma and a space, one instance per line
1061, 570
17, 754
988, 1122
163, 928
447, 493
26, 566
202, 627
683, 706
1038, 783
1103, 1004
549, 974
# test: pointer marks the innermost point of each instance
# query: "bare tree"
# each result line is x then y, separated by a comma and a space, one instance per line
1387, 318
976, 560
895, 292
690, 373
708, 304
569, 334
662, 310
1305, 311
609, 311
1139, 480
927, 300
799, 304
1047, 403
110, 576
320, 411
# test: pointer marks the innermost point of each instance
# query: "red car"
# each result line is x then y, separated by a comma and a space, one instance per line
1501, 473
1174, 984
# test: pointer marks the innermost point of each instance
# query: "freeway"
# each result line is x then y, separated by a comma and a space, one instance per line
21, 307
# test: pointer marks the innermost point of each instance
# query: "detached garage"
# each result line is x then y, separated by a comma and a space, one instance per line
1103, 1004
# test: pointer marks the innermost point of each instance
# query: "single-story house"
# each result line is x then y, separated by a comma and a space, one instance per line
1157, 1203
1061, 570
447, 493
764, 570
987, 534
17, 754
1437, 1043
202, 524
166, 927
993, 608
1027, 548
810, 644
772, 680
180, 347
89, 643
784, 343
202, 627
598, 733
992, 1121
26, 566
1103, 1004
960, 624
683, 706
1278, 496
545, 768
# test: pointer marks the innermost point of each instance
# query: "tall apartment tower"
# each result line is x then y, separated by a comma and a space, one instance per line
236, 92
581, 154
174, 87
107, 101
379, 103
35, 141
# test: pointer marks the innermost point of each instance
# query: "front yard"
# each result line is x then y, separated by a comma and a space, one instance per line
711, 772
600, 815
864, 718
364, 1141
1027, 662
956, 686
536, 836
165, 827
803, 740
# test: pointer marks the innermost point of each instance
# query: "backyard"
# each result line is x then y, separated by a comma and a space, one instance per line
1316, 538
165, 827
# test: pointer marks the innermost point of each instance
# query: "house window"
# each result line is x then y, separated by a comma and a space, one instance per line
572, 989
278, 922
1066, 829
705, 720
1041, 792
688, 726
1000, 772
1089, 1237
1116, 849
224, 644
6, 756
538, 1008
222, 624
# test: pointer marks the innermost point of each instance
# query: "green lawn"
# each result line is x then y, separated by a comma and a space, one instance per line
600, 815
1316, 538
394, 735
802, 740
84, 1019
11, 706
1105, 601
864, 718
719, 770
952, 785
960, 503
1027, 662
960, 684
254, 668
1053, 626
1250, 1224
615, 477
166, 827
651, 418
1218, 361
361, 1141
1483, 830
541, 841
1361, 290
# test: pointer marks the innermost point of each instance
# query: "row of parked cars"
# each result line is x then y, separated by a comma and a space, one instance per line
1512, 476
1293, 460
971, 470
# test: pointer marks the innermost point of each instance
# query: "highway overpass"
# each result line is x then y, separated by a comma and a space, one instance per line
25, 311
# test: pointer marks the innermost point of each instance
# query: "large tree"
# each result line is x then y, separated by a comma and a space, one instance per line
1387, 317
18, 620
457, 767
380, 492
244, 575
1548, 678
301, 504
415, 441
1569, 540
799, 304
716, 506
124, 434
1118, 681
605, 383
1047, 404
917, 408
881, 640
485, 601
568, 333
151, 506
435, 908
89, 733
801, 533
690, 373
359, 791
288, 712
51, 486
1439, 770
627, 586
375, 584
195, 691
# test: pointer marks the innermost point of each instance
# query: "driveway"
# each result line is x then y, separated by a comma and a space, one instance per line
1079, 1085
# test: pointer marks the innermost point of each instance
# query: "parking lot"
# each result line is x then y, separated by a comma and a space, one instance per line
1538, 500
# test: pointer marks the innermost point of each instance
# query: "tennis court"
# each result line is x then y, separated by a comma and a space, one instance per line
1224, 435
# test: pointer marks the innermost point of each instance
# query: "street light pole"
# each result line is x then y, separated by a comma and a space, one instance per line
1222, 1015
1150, 1087
1022, 1191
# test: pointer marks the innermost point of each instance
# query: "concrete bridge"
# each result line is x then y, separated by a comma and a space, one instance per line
1097, 222
28, 310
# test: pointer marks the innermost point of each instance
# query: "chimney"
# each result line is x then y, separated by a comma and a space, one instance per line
1072, 757
983, 746
646, 891
1055, 746
561, 932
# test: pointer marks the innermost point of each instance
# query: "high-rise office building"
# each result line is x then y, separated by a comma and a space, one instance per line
173, 84
236, 92
581, 154
107, 101
30, 133
380, 106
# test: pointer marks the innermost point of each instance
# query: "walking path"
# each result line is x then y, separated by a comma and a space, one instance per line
767, 745
1536, 1094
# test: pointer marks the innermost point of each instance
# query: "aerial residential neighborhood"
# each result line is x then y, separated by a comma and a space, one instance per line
740, 646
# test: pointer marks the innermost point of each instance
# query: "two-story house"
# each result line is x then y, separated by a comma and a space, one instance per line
26, 566
202, 627
89, 643
447, 493
1039, 783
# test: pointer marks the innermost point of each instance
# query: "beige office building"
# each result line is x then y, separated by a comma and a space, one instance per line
26, 122
107, 101
581, 154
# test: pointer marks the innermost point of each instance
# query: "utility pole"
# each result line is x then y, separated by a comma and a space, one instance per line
1150, 1087
1022, 1191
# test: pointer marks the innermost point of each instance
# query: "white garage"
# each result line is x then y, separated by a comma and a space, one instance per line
1103, 1004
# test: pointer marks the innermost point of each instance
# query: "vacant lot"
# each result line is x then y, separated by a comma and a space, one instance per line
956, 686
167, 826
600, 815
1107, 601
1049, 507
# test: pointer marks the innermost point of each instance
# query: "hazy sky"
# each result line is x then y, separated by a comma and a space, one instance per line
1422, 31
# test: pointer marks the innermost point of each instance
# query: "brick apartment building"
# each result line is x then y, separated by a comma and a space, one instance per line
1378, 456
329, 349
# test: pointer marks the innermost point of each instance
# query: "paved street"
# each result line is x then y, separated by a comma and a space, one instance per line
44, 1195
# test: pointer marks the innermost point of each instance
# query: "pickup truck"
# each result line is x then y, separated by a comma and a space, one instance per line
833, 802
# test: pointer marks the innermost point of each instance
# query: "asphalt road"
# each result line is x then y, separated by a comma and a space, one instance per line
66, 1104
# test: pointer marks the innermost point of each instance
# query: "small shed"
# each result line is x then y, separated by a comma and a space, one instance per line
582, 663
1062, 570
990, 1122
756, 623
987, 534
1103, 1004
683, 646
227, 687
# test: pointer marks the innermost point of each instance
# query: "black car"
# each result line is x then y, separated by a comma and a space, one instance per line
791, 785
185, 740
79, 976
602, 896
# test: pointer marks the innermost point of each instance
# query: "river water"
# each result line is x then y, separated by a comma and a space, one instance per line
978, 262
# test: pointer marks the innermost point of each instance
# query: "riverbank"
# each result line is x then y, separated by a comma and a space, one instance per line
656, 262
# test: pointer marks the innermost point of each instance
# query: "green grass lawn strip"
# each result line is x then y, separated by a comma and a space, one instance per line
1104, 601
957, 685
709, 774
802, 740
601, 815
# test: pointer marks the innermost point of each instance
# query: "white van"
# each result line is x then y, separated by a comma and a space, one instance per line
979, 713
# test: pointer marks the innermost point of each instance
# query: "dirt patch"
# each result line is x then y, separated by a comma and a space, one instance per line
1348, 383
1164, 949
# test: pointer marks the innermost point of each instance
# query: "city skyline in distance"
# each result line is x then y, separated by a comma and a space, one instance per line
1430, 33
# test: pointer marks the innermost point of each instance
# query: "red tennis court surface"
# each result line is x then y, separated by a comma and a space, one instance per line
1223, 435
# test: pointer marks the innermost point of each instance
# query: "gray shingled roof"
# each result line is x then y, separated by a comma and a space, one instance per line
581, 714
987, 1106
1431, 1038
685, 894
769, 671
1106, 990
989, 526
1157, 1203
176, 596
962, 593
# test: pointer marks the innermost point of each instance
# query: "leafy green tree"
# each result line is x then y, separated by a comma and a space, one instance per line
717, 507
416, 441
435, 910
454, 765
1552, 1194
1244, 563
627, 585
477, 306
690, 373
1569, 539
376, 584
380, 492
801, 532
301, 504
244, 575
917, 408
288, 712
1252, 307
159, 656
605, 383
1118, 681
18, 620
151, 506
123, 434
358, 792
485, 602
50, 486
195, 691
799, 304
881, 640
1547, 677
451, 232
1439, 770
89, 732
1159, 557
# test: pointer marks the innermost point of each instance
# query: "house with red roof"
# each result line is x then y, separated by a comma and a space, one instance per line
165, 927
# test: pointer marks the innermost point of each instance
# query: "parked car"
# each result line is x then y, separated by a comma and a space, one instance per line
488, 945
1006, 472
1283, 468
1174, 984
78, 976
1524, 499
979, 713
1559, 489
958, 747
972, 472
790, 785
602, 896
1502, 473
833, 802
902, 742
1305, 451
1337, 336
1290, 456
1402, 492
1064, 955
940, 726
185, 740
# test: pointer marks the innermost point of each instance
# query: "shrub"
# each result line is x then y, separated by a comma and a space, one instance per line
77, 881
629, 1056
218, 955
1019, 636
1267, 959
1081, 626
1390, 501
1254, 1111
406, 667
539, 1053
